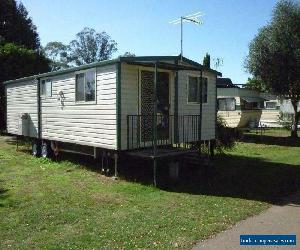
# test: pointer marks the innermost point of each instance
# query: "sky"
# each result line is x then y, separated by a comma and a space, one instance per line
142, 26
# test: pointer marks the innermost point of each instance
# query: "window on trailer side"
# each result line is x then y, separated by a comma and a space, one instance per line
194, 89
46, 88
85, 87
270, 105
226, 104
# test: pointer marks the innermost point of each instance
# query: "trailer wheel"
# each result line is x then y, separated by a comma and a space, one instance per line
35, 149
46, 150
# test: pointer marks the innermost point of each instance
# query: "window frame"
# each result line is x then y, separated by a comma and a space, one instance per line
198, 94
84, 72
265, 106
254, 106
226, 98
43, 89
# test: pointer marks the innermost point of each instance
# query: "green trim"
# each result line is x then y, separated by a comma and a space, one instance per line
176, 132
167, 58
118, 96
154, 121
64, 71
147, 58
200, 109
39, 109
184, 59
113, 61
216, 108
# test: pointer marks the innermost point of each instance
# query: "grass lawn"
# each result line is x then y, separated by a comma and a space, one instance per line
44, 204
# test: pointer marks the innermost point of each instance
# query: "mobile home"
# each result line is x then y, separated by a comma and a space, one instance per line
241, 107
134, 105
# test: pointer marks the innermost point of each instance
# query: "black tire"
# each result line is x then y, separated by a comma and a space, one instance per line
35, 149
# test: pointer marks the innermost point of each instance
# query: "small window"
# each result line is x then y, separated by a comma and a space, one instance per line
46, 88
194, 89
251, 105
226, 104
86, 87
270, 105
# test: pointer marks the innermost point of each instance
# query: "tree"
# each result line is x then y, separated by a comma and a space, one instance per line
19, 47
129, 54
256, 84
274, 55
17, 61
15, 25
2, 107
90, 46
206, 61
57, 52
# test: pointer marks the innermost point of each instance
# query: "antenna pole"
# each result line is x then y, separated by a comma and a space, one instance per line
193, 18
181, 41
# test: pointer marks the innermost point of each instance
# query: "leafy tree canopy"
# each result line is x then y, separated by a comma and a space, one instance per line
274, 54
88, 47
129, 54
256, 84
57, 52
16, 26
17, 61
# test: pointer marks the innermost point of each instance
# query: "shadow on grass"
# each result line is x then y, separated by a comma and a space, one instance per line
229, 176
241, 177
271, 140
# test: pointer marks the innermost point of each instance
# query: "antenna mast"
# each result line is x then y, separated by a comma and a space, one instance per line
192, 18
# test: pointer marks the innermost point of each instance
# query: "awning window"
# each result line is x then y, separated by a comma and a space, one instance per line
252, 99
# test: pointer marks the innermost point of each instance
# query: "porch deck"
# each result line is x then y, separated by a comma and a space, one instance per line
160, 153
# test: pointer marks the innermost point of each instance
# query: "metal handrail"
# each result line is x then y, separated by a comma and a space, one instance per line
140, 131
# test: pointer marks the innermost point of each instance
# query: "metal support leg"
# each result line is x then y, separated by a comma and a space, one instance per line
102, 167
116, 166
154, 171
212, 148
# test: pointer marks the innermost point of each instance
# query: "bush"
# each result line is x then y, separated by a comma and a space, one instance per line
286, 120
226, 137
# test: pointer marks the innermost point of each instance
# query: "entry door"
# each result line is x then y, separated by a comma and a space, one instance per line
147, 109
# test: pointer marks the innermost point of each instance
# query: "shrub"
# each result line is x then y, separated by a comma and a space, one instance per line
226, 137
285, 120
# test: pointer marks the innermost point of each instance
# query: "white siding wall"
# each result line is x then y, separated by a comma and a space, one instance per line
85, 124
22, 98
184, 108
130, 100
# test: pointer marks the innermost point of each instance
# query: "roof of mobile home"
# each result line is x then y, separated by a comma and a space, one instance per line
141, 60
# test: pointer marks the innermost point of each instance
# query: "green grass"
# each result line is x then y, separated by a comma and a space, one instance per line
44, 204
275, 132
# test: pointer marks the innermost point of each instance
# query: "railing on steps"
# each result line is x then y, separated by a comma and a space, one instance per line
145, 131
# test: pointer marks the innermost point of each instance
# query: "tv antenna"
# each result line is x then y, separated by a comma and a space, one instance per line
218, 62
192, 18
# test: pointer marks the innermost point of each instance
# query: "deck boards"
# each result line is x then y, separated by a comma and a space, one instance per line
160, 152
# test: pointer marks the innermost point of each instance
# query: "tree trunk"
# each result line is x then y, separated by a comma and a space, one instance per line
294, 130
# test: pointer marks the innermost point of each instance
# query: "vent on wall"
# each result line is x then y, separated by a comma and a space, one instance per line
24, 124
